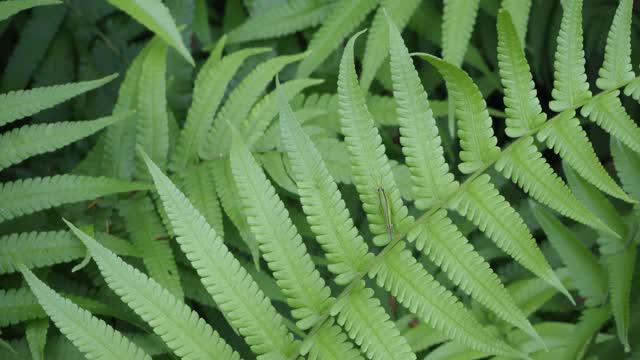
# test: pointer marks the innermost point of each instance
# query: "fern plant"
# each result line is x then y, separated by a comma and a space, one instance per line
264, 220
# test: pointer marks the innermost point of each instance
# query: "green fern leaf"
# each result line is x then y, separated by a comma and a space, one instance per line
607, 111
91, 335
146, 231
188, 335
27, 141
239, 103
279, 240
519, 12
589, 277
590, 323
486, 208
10, 8
477, 141
363, 317
523, 109
458, 21
377, 47
627, 165
152, 129
39, 249
370, 166
154, 15
570, 86
282, 19
201, 192
232, 288
331, 343
19, 104
345, 17
26, 196
525, 166
616, 69
432, 182
413, 287
208, 91
36, 334
569, 140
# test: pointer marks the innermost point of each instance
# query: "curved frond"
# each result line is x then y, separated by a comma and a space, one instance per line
279, 241
152, 129
200, 189
208, 91
445, 245
483, 205
569, 140
458, 21
240, 102
27, 141
405, 278
590, 323
26, 196
377, 47
91, 335
147, 234
607, 111
519, 11
523, 109
19, 104
525, 166
188, 335
588, 275
570, 86
345, 17
370, 166
232, 288
477, 140
616, 68
432, 182
282, 19
10, 8
154, 15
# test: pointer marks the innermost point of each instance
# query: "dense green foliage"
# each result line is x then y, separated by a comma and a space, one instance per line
266, 179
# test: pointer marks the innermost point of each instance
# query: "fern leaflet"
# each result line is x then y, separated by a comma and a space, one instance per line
616, 69
590, 323
457, 25
519, 12
201, 192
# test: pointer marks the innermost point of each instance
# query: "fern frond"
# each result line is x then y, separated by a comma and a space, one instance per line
519, 12
616, 68
282, 19
39, 249
239, 104
569, 140
201, 192
26, 196
607, 111
413, 287
570, 86
486, 208
477, 140
146, 231
232, 288
208, 91
279, 240
36, 335
440, 239
10, 8
154, 15
523, 109
188, 335
588, 275
368, 324
345, 17
627, 165
432, 182
458, 21
590, 323
369, 164
19, 104
152, 128
525, 166
377, 47
27, 141
331, 343
91, 335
